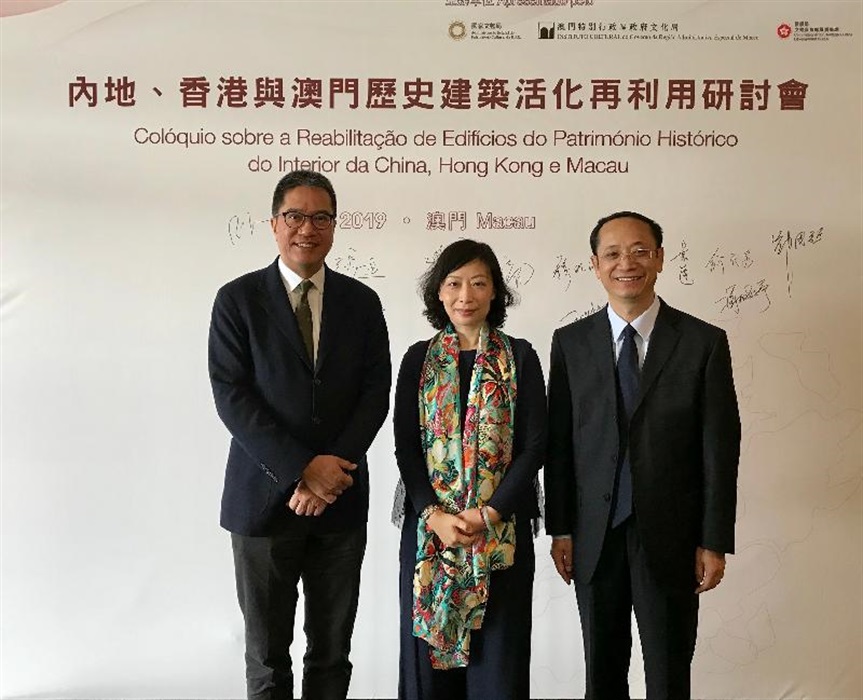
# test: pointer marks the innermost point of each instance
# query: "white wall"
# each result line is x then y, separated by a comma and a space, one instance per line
116, 579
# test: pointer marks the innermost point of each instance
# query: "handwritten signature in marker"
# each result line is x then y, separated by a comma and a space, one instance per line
734, 296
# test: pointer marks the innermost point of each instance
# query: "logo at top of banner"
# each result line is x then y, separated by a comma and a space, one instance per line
654, 30
804, 30
458, 30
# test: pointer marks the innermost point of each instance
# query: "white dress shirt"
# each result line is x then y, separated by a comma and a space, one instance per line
643, 326
292, 282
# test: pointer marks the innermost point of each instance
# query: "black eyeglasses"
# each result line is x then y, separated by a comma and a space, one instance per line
320, 220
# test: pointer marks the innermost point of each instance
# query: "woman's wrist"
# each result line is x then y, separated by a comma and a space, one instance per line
485, 511
428, 511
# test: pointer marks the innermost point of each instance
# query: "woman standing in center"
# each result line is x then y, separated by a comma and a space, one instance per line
470, 428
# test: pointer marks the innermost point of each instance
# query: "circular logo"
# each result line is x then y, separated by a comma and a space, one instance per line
783, 30
457, 30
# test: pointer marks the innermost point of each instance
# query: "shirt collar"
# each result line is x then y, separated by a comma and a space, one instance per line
292, 279
643, 324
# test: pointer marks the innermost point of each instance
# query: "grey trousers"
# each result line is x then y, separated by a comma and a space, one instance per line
268, 570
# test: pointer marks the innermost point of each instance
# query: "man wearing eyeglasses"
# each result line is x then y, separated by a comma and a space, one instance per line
641, 473
300, 369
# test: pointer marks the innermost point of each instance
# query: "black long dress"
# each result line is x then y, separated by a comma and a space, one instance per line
499, 665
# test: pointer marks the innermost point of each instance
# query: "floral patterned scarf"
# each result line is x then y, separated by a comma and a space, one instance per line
451, 585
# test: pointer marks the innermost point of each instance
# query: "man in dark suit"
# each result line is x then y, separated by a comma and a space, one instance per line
300, 368
641, 473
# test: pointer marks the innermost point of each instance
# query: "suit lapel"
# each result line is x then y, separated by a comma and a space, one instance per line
275, 300
663, 340
332, 303
601, 347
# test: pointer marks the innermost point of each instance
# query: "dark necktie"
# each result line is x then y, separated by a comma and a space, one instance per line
304, 318
627, 380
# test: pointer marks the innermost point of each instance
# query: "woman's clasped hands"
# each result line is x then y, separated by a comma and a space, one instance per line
462, 529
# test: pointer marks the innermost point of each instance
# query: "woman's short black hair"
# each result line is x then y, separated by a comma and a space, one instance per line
454, 256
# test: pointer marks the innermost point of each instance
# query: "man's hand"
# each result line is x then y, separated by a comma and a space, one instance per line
452, 530
709, 569
325, 476
561, 554
305, 502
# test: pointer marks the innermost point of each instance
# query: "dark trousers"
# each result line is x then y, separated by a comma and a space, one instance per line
499, 667
667, 622
268, 570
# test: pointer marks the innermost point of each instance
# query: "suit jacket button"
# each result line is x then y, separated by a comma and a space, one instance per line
316, 420
317, 382
606, 497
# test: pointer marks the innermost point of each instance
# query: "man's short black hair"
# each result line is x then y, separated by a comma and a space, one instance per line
655, 228
454, 256
301, 178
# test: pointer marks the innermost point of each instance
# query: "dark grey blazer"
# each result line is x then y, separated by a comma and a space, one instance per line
684, 440
280, 410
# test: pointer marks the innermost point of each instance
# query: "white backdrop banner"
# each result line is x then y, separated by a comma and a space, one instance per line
141, 142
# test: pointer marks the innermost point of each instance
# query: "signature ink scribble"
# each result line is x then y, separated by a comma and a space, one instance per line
563, 272
734, 296
576, 315
785, 241
361, 269
683, 258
